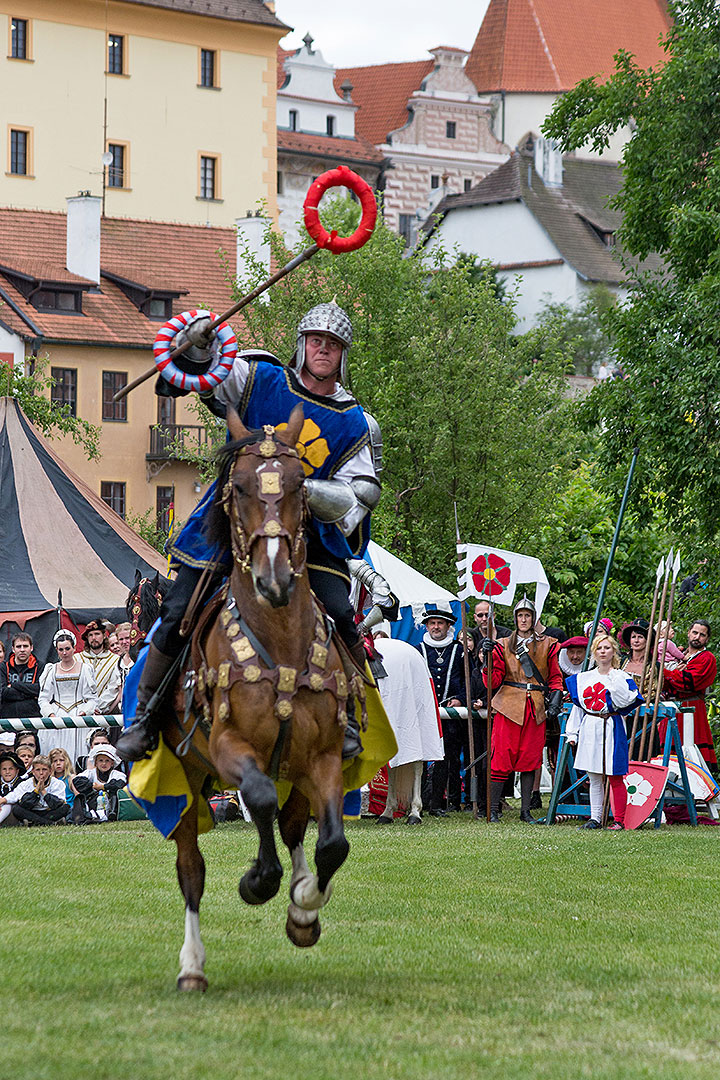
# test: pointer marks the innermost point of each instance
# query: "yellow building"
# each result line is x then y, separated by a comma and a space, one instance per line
90, 295
164, 112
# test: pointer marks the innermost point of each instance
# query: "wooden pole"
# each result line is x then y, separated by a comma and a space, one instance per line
660, 614
469, 776
247, 299
675, 572
649, 646
488, 724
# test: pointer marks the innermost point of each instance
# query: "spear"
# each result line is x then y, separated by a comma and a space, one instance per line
660, 616
466, 664
675, 572
649, 640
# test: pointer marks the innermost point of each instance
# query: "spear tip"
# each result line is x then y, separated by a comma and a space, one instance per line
660, 570
676, 565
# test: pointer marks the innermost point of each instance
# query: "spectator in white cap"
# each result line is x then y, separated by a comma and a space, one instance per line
444, 657
97, 786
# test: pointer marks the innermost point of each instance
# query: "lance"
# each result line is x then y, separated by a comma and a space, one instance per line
656, 704
660, 616
466, 665
648, 644
610, 558
59, 609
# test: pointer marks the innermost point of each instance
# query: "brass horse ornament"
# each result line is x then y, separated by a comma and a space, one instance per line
267, 691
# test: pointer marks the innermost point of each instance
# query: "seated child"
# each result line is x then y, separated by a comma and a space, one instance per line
11, 770
61, 768
97, 787
26, 752
39, 800
97, 735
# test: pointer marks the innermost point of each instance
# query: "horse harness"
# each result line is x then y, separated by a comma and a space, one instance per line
137, 636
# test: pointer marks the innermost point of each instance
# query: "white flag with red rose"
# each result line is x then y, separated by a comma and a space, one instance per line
492, 574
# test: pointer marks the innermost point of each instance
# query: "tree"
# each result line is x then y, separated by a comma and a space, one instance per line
666, 337
581, 328
31, 391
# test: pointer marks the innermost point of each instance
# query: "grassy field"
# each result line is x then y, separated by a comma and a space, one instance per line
448, 950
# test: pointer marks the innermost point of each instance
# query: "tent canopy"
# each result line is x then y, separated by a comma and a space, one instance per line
412, 589
56, 533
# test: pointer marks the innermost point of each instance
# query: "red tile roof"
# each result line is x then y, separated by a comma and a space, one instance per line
382, 92
282, 55
301, 142
547, 46
178, 258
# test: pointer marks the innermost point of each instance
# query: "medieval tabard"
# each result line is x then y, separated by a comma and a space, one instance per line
517, 687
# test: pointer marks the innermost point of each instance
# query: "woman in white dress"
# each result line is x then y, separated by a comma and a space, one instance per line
66, 689
601, 697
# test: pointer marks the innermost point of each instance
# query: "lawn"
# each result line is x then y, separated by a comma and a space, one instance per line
451, 950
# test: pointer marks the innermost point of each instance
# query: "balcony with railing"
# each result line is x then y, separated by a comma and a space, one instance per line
167, 440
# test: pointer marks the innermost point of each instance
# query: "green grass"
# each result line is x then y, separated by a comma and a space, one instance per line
448, 950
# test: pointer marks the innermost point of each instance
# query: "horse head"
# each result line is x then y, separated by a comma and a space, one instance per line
262, 496
143, 607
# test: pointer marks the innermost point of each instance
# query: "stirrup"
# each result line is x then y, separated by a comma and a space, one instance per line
139, 740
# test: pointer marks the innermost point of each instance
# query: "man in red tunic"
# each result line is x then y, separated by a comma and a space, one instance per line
525, 669
688, 685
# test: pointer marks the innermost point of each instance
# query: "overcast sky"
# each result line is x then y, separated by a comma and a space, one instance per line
380, 31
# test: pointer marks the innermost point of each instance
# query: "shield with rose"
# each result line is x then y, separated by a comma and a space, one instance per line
645, 784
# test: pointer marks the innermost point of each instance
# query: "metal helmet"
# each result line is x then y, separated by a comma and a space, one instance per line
526, 604
324, 319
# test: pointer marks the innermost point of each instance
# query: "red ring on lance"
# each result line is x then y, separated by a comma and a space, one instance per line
340, 177
164, 344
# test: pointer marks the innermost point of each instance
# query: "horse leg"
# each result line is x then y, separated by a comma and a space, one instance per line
303, 926
414, 818
191, 876
262, 880
332, 847
388, 815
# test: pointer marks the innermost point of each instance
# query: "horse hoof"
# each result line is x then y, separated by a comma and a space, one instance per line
414, 820
188, 983
383, 820
302, 936
260, 891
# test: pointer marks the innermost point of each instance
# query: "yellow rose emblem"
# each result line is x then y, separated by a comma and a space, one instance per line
311, 449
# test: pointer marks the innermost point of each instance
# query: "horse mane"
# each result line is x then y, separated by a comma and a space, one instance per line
149, 605
217, 528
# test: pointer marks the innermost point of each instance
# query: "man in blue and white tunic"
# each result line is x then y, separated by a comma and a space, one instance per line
342, 488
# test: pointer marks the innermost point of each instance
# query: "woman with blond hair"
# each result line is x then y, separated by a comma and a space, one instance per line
601, 698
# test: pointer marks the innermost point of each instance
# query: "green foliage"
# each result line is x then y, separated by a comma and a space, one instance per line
146, 526
580, 329
53, 420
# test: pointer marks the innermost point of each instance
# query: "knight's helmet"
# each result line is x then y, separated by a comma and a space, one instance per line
526, 604
324, 319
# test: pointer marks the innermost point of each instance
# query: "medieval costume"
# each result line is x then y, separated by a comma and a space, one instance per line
95, 804
108, 681
66, 693
688, 685
600, 701
335, 449
524, 668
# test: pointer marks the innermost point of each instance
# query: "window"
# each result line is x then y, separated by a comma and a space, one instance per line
406, 227
279, 183
158, 308
112, 381
434, 182
164, 500
293, 120
64, 392
20, 151
166, 412
116, 54
450, 129
207, 177
207, 67
330, 125
19, 39
112, 492
467, 184
116, 171
64, 300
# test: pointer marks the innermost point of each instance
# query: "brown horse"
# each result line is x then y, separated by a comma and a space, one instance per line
270, 692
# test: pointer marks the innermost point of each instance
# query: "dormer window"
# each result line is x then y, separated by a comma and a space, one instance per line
601, 230
293, 119
60, 300
62, 297
155, 304
158, 307
330, 125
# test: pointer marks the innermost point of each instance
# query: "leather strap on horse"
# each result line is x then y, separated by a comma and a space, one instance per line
199, 595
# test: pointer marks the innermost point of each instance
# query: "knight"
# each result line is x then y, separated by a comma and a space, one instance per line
527, 687
342, 488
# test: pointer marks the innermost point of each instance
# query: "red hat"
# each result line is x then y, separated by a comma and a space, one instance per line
578, 640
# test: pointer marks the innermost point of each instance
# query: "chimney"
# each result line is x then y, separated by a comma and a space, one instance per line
251, 231
83, 235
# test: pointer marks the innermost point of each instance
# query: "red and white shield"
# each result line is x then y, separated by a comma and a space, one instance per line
645, 784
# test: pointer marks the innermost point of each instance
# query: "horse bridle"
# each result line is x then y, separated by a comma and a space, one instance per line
270, 490
136, 634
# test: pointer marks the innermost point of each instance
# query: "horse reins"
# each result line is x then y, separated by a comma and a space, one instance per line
270, 490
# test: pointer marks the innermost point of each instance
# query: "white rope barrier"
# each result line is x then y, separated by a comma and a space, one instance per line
42, 723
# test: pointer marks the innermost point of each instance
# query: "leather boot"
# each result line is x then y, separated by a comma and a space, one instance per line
527, 779
141, 738
352, 745
496, 790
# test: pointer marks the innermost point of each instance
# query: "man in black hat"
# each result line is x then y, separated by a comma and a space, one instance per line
104, 663
444, 657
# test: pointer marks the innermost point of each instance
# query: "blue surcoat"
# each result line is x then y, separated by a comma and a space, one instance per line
332, 434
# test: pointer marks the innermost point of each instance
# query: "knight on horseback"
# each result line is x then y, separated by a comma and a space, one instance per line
336, 449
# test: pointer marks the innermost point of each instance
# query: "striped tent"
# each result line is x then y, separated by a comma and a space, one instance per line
56, 535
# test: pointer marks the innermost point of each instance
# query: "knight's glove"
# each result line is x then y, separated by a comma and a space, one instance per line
554, 704
200, 352
486, 645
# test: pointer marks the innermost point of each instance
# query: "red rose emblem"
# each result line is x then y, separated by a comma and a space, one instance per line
594, 697
491, 575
